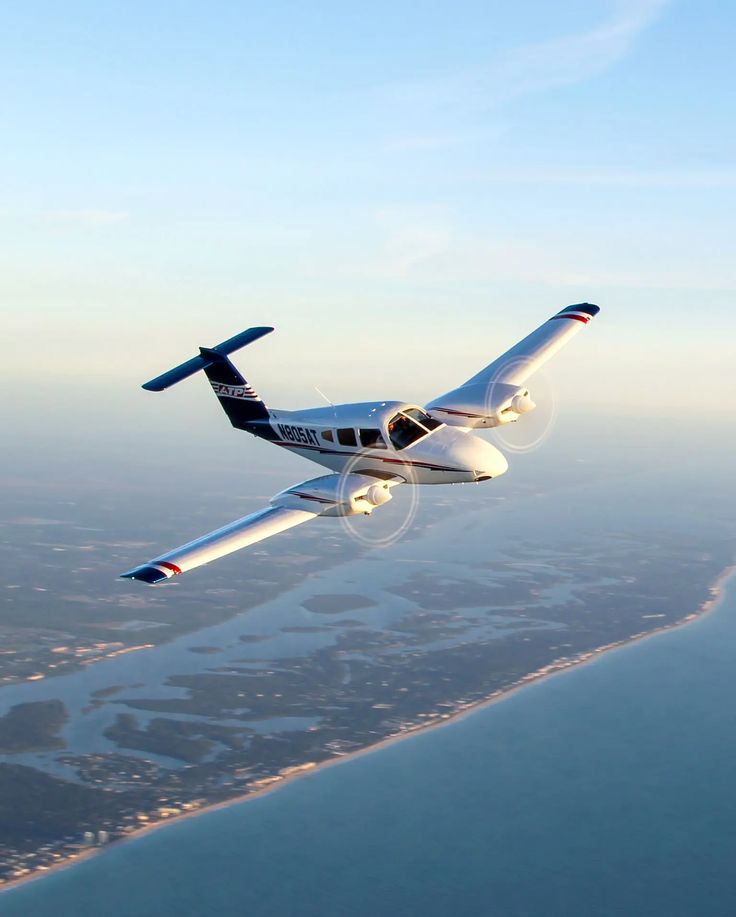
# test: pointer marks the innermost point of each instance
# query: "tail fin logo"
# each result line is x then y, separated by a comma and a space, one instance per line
241, 392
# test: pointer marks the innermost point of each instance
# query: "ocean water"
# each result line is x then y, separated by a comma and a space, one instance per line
607, 790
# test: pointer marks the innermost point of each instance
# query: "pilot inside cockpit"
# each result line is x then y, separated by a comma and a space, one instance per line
408, 426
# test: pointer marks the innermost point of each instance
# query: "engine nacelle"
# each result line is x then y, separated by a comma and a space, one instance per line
482, 404
336, 495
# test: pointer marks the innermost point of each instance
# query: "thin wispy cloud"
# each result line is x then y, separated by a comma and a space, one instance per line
84, 217
577, 57
411, 143
422, 247
538, 66
672, 178
409, 240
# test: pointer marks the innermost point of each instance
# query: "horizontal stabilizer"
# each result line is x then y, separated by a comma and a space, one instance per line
206, 358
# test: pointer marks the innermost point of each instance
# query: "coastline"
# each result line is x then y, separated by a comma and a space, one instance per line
557, 667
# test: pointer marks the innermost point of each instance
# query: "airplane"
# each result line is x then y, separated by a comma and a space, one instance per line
370, 447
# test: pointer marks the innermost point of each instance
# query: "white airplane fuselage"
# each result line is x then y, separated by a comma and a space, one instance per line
370, 447
387, 439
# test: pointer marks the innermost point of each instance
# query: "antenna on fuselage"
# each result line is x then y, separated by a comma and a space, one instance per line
322, 395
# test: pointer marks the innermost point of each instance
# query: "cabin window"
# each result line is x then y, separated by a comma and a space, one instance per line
327, 434
403, 431
346, 437
429, 423
372, 439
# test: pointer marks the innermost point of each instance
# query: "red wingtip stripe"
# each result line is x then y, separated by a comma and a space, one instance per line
577, 318
164, 563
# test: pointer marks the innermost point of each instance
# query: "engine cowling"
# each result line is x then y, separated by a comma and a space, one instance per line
482, 404
378, 494
522, 403
337, 494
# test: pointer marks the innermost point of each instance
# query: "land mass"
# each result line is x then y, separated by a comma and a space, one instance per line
257, 668
140, 796
32, 727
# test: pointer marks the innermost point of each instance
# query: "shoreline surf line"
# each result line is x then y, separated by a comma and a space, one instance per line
557, 667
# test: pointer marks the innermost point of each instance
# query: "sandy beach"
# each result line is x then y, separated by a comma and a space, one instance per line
555, 668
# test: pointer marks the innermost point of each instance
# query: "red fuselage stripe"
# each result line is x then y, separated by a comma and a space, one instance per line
393, 461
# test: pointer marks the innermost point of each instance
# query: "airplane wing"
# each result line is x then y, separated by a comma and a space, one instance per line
329, 495
496, 395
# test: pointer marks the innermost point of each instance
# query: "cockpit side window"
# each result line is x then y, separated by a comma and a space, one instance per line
372, 439
403, 431
429, 423
346, 437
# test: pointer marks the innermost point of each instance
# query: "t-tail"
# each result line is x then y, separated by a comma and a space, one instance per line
242, 404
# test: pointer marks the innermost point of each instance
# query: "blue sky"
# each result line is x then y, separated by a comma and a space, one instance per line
403, 189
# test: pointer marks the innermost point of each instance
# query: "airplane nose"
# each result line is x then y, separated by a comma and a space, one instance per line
490, 463
478, 459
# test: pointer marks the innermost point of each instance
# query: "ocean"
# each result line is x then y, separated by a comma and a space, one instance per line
605, 790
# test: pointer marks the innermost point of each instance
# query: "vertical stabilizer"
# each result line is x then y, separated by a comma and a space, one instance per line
242, 404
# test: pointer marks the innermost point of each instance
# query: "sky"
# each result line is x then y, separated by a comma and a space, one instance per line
402, 189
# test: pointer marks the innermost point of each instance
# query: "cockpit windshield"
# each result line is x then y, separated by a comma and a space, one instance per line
429, 423
408, 426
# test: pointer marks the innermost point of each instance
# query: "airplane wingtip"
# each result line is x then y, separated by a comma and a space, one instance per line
147, 573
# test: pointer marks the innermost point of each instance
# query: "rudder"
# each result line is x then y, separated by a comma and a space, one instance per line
242, 404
